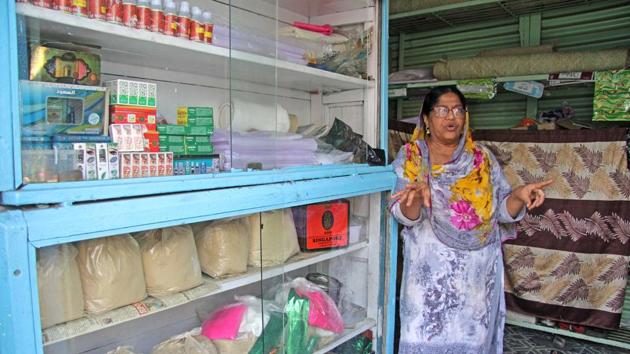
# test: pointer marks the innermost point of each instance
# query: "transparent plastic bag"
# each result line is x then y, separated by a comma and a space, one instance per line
59, 284
111, 273
273, 238
243, 318
122, 350
187, 343
223, 247
323, 313
170, 260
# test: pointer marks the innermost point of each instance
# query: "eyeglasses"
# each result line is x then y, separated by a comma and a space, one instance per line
442, 111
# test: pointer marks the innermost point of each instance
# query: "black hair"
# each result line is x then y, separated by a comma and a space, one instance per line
431, 99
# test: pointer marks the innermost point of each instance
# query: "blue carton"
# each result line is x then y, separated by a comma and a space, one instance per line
51, 108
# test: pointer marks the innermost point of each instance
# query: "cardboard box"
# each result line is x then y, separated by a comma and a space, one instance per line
198, 131
136, 160
145, 164
129, 137
199, 149
126, 165
132, 93
113, 161
49, 109
86, 160
161, 169
169, 164
322, 226
171, 139
120, 114
152, 141
175, 149
195, 116
102, 163
153, 164
171, 129
195, 140
65, 66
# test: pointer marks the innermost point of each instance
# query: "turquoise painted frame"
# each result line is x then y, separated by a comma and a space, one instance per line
21, 232
10, 174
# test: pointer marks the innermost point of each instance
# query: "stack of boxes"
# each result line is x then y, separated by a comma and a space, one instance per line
133, 128
189, 140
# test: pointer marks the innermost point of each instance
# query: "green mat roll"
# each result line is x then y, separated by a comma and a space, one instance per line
514, 65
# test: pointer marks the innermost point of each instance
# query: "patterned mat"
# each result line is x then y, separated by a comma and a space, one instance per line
520, 340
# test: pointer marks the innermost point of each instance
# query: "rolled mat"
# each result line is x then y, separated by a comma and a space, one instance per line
483, 67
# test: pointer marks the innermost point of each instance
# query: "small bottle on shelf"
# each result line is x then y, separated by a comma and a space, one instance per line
129, 13
143, 13
114, 11
170, 18
97, 9
208, 27
183, 23
79, 8
197, 28
157, 16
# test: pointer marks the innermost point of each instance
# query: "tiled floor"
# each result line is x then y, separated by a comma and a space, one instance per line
518, 340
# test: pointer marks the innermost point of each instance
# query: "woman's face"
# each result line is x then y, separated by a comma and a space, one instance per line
446, 120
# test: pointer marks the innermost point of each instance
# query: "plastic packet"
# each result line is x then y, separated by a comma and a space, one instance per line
483, 89
273, 238
59, 284
223, 247
170, 260
611, 99
343, 138
122, 350
111, 272
323, 313
244, 318
528, 88
297, 311
187, 343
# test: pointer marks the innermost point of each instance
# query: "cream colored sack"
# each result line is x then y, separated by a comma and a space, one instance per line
111, 273
223, 247
186, 344
59, 285
122, 350
279, 238
240, 345
170, 260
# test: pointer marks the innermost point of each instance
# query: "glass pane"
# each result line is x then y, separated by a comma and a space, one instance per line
294, 279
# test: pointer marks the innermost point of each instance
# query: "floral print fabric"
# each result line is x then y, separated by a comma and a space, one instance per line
451, 298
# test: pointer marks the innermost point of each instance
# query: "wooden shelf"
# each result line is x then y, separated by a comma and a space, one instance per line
348, 334
120, 44
91, 324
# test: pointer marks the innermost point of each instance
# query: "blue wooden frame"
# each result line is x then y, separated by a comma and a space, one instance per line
157, 202
10, 174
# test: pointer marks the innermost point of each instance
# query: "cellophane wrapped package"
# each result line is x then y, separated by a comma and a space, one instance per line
111, 272
170, 260
59, 284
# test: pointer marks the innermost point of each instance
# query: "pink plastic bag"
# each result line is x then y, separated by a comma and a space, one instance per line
224, 322
323, 312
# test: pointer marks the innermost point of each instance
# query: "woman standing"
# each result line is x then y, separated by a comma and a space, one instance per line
456, 207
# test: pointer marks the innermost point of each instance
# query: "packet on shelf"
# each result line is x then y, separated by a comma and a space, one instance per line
223, 247
129, 137
146, 164
111, 273
170, 260
59, 284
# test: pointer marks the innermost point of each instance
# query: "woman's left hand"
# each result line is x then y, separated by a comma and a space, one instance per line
532, 195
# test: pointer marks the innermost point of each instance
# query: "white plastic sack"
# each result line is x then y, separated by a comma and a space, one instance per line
59, 285
111, 273
223, 247
247, 115
122, 350
279, 238
240, 345
170, 260
188, 343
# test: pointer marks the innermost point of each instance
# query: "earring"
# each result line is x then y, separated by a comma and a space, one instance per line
426, 129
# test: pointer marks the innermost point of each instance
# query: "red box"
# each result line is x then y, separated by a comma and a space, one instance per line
322, 226
134, 115
152, 141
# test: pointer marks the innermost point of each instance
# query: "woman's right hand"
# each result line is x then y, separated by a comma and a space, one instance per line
413, 198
